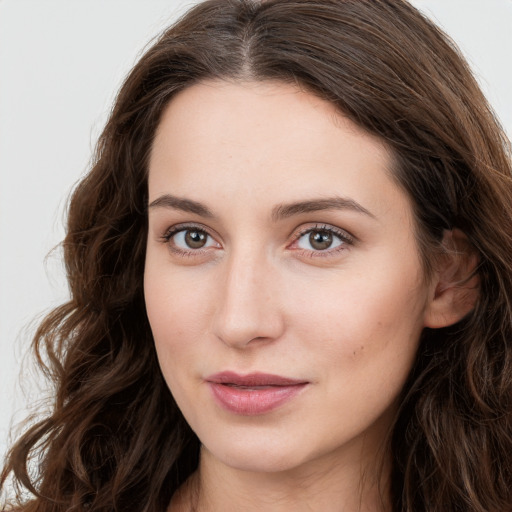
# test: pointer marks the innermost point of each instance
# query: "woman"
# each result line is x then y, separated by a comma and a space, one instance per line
290, 270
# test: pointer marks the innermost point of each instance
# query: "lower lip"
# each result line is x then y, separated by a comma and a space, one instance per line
252, 401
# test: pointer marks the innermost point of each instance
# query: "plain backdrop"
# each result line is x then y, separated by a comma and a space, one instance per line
61, 63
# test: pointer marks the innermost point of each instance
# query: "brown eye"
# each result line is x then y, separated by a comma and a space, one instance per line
323, 239
195, 239
190, 239
320, 240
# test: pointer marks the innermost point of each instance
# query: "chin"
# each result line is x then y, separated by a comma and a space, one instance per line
266, 456
257, 462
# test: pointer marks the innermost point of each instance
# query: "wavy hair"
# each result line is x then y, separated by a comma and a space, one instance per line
115, 439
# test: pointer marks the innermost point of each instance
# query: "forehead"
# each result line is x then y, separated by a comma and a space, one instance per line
257, 143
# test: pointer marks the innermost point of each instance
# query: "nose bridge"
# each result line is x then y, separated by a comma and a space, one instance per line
247, 308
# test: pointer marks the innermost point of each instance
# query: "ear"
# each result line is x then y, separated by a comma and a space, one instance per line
455, 285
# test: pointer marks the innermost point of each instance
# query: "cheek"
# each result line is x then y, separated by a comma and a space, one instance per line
364, 326
172, 296
167, 313
368, 347
178, 312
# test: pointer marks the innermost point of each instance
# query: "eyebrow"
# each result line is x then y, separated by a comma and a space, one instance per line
314, 205
279, 212
179, 203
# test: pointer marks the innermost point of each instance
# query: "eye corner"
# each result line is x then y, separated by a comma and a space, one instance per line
189, 239
331, 241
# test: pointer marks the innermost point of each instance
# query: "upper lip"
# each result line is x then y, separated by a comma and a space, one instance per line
253, 379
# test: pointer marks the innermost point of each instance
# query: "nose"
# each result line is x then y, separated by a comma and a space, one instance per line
249, 310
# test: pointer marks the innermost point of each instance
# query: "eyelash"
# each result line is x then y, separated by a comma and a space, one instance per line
345, 238
174, 230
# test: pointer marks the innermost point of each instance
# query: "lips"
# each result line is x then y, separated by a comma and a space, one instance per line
252, 394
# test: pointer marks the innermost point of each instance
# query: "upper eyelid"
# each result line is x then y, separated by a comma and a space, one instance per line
317, 226
297, 233
183, 226
342, 233
173, 230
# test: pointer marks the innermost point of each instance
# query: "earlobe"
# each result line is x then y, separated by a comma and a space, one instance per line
456, 284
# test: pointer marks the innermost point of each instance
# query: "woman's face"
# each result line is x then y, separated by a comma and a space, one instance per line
283, 283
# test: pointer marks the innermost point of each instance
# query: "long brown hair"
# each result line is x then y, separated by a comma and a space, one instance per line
115, 439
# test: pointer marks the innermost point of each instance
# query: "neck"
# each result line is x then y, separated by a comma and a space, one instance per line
329, 484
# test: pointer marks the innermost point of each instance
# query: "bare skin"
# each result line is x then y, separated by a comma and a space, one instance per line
280, 244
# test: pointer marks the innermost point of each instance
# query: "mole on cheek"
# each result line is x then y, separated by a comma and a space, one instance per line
361, 349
